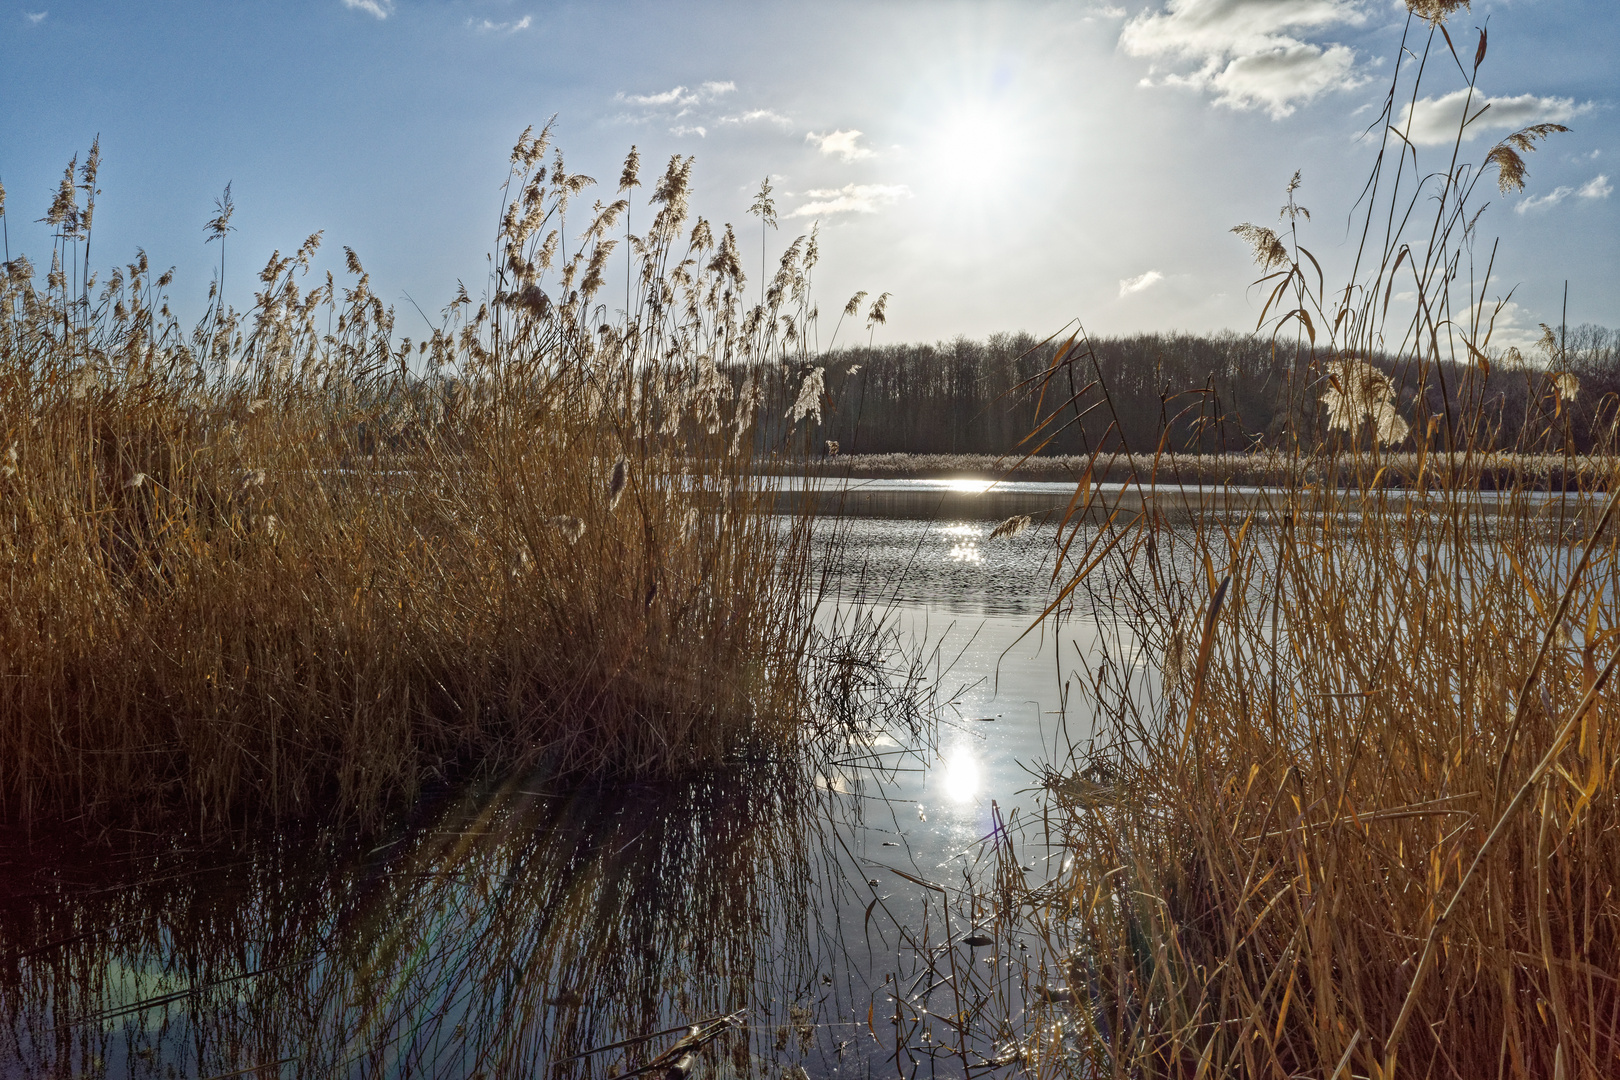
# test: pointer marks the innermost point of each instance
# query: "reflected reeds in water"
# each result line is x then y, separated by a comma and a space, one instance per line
514, 934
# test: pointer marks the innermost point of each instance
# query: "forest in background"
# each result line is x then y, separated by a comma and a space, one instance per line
1201, 393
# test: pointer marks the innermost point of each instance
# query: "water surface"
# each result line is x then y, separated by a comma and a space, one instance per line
518, 930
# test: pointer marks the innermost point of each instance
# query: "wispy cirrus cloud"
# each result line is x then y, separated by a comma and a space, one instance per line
1146, 280
485, 26
845, 144
1542, 202
1596, 188
694, 110
1249, 53
758, 116
1435, 121
380, 9
679, 96
850, 199
35, 17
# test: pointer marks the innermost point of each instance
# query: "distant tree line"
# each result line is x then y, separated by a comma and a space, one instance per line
1198, 393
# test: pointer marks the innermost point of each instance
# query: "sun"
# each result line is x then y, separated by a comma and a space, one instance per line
978, 140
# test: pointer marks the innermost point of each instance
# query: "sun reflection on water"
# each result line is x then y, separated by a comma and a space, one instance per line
960, 777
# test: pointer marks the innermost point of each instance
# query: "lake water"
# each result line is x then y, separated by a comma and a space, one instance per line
825, 910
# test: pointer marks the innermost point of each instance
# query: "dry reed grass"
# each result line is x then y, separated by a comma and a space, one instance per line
290, 565
1491, 469
1351, 811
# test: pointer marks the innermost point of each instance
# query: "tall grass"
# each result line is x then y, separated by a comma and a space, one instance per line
1555, 471
290, 564
1351, 811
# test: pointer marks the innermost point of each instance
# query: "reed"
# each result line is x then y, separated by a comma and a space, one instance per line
1350, 811
289, 564
1496, 469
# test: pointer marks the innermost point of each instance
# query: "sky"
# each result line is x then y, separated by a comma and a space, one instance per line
996, 166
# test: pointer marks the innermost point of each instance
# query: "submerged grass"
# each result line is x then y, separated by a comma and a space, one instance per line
1351, 809
289, 565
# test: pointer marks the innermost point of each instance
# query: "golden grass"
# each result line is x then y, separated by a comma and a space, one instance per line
1491, 469
1351, 808
290, 565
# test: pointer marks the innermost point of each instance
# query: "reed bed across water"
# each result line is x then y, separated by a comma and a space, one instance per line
1488, 469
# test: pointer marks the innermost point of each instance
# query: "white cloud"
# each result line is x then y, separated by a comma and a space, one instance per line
380, 8
677, 96
1552, 198
755, 116
1511, 326
680, 131
842, 143
35, 17
1596, 188
851, 199
1434, 121
1127, 286
1247, 51
484, 26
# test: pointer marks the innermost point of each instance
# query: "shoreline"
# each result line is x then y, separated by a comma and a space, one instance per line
1400, 470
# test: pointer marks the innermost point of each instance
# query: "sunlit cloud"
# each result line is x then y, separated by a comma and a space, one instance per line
35, 17
842, 143
758, 116
679, 101
1248, 52
683, 130
378, 8
850, 199
1596, 188
1507, 324
1127, 286
1434, 121
485, 26
1542, 202
677, 96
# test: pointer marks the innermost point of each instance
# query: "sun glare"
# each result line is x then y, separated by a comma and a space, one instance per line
961, 776
975, 148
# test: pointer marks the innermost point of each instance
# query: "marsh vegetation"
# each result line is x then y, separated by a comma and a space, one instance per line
1336, 799
290, 565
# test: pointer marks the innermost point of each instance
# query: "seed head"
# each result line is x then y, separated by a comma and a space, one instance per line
571, 527
1013, 526
621, 474
1268, 249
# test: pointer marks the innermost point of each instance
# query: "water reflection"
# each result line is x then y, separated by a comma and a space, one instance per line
517, 931
517, 934
959, 778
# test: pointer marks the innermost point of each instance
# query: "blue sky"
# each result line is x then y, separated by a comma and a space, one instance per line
996, 166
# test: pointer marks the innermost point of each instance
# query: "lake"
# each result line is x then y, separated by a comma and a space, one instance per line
838, 916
